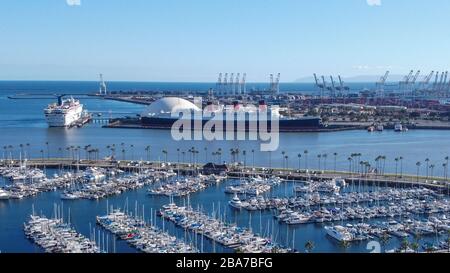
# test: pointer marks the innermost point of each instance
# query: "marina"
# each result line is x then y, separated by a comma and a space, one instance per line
285, 200
54, 236
213, 228
141, 235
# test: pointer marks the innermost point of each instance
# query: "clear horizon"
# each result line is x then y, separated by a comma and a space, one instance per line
193, 41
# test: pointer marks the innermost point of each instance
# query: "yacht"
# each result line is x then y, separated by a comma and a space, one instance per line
69, 196
400, 128
235, 202
298, 218
4, 195
339, 233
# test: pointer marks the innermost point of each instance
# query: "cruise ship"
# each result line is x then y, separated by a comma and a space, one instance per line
65, 113
158, 115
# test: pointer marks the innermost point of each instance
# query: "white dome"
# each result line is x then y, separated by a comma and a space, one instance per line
165, 106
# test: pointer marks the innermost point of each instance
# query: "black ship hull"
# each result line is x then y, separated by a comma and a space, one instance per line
284, 125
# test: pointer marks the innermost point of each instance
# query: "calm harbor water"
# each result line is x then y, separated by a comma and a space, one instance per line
22, 122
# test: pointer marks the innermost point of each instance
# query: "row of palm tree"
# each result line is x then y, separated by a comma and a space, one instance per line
356, 165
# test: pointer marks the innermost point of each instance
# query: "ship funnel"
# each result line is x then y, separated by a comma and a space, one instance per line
262, 105
236, 105
60, 100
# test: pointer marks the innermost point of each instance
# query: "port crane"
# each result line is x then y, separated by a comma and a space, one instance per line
277, 84
225, 85
243, 84
341, 86
423, 85
333, 87
436, 78
319, 85
444, 83
219, 85
381, 84
102, 90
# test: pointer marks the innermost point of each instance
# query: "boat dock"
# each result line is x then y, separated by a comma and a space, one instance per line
141, 235
55, 236
410, 180
229, 235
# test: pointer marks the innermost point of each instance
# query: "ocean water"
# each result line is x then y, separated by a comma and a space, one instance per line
22, 122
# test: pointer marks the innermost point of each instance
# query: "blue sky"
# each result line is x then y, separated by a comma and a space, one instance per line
194, 40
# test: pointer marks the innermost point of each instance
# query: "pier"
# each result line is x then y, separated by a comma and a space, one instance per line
439, 183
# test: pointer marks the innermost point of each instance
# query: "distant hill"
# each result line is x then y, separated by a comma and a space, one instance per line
360, 78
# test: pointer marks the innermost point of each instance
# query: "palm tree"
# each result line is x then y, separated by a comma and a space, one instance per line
325, 161
28, 149
306, 159
132, 151
21, 150
5, 153
384, 163
309, 246
282, 156
215, 156
206, 154
165, 155
427, 160
335, 159
432, 169
233, 153
10, 147
377, 162
404, 245
446, 167
299, 157
147, 150
415, 246
68, 151
286, 157
319, 157
401, 166
418, 169
350, 164
253, 158
220, 154
48, 149
244, 154
396, 165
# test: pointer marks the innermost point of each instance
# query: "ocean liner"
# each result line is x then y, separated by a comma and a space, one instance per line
159, 115
65, 113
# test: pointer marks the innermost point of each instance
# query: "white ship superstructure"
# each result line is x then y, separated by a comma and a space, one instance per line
64, 113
